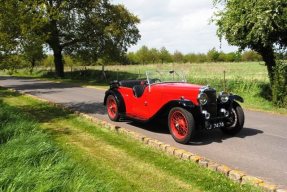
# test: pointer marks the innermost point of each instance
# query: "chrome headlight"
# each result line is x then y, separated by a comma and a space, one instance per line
224, 97
202, 98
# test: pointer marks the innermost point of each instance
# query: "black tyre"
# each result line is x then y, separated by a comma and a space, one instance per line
236, 120
112, 108
181, 125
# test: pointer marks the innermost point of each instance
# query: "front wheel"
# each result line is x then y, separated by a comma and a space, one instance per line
112, 108
181, 125
235, 121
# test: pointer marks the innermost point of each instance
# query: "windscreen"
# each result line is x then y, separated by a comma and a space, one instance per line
164, 76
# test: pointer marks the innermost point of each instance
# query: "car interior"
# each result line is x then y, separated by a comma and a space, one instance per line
138, 86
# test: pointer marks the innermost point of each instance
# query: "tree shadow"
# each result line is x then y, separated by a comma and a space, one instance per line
36, 84
95, 76
40, 112
87, 107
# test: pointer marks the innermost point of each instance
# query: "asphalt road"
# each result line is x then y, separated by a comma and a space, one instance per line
260, 149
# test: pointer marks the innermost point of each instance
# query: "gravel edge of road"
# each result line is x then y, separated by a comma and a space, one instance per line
233, 174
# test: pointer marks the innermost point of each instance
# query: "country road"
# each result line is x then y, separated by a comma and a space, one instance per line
259, 150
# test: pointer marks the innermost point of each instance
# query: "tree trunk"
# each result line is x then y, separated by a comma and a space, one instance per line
104, 76
269, 59
59, 64
33, 63
55, 44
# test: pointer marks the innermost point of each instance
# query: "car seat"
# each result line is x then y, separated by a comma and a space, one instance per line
138, 90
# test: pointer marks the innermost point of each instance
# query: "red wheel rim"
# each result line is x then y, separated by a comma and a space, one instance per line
112, 107
178, 124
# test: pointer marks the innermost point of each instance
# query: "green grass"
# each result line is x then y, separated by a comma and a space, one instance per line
31, 161
49, 149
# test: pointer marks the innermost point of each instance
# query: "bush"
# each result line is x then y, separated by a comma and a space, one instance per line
279, 87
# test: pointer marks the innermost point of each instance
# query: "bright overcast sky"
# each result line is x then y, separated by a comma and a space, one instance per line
182, 25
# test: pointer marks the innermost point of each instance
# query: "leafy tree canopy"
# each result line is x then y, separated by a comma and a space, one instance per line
88, 29
256, 24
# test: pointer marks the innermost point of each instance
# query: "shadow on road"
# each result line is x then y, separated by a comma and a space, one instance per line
204, 137
157, 127
32, 84
88, 107
207, 137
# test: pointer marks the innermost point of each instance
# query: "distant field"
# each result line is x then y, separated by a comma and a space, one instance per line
244, 70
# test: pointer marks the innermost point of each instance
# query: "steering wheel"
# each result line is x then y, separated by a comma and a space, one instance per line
155, 80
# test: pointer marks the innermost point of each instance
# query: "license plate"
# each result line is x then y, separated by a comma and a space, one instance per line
218, 125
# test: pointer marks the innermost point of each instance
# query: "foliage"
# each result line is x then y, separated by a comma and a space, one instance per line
33, 53
213, 55
251, 56
13, 62
196, 58
280, 84
132, 58
258, 25
48, 62
178, 57
262, 27
86, 29
152, 55
143, 55
164, 55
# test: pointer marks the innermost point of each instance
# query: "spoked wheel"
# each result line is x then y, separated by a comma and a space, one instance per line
235, 122
181, 125
112, 108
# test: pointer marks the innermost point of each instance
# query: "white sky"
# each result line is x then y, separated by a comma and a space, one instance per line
182, 25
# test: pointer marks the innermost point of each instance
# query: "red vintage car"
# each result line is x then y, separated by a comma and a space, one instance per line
186, 107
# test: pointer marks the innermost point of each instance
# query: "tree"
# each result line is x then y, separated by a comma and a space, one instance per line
132, 58
143, 54
9, 31
154, 55
88, 29
213, 55
178, 57
250, 56
258, 25
33, 53
164, 55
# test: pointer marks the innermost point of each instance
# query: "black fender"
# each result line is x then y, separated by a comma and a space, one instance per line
184, 103
119, 99
236, 98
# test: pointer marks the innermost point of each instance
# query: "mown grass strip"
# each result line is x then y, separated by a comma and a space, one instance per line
115, 161
31, 161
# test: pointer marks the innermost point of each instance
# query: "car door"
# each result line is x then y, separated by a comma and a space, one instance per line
140, 107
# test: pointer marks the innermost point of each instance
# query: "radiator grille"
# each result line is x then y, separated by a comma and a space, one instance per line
211, 106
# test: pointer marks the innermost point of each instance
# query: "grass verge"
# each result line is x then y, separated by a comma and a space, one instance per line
54, 150
31, 161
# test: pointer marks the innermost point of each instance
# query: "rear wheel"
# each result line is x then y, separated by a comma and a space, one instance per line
181, 125
236, 120
112, 108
